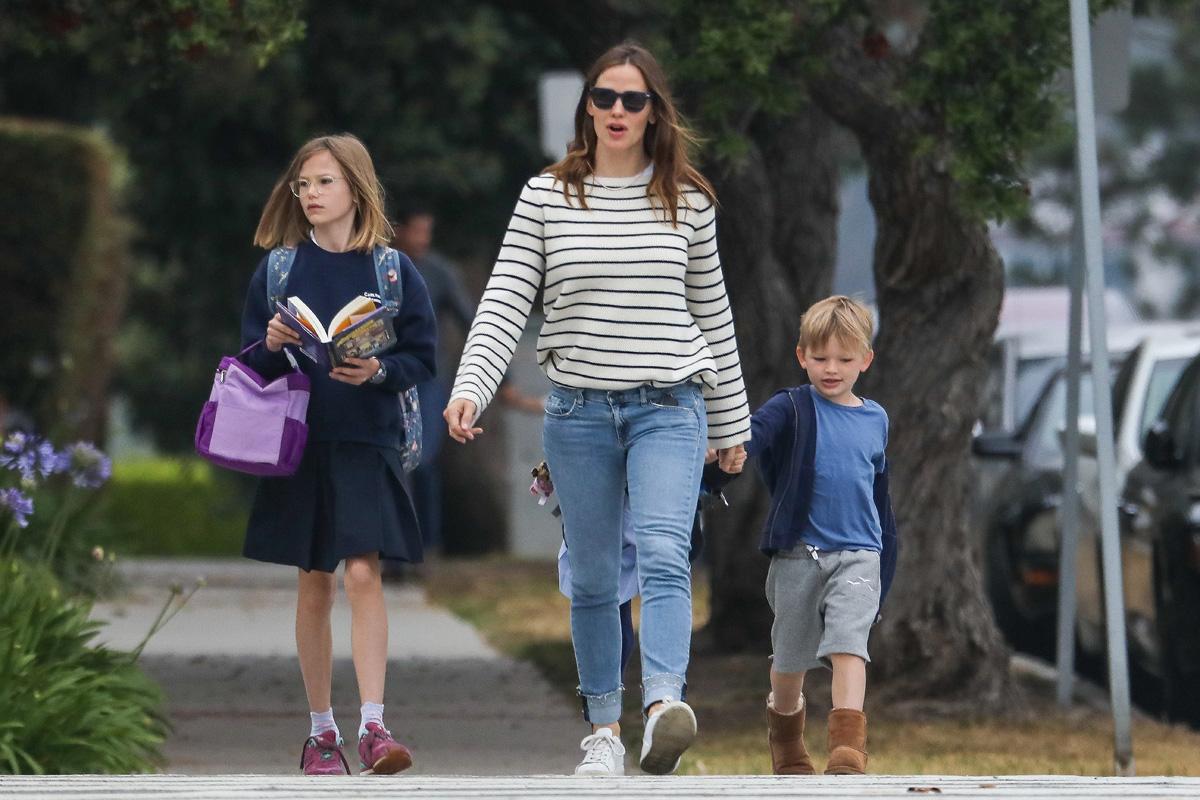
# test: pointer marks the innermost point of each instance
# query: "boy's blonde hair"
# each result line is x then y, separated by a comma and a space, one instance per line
283, 223
838, 317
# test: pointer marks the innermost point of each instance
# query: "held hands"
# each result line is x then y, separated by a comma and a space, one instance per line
460, 417
732, 459
355, 371
279, 334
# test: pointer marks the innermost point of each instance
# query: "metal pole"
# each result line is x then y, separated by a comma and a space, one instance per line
1069, 510
1089, 203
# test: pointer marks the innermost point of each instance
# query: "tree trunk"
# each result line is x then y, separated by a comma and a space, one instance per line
939, 284
777, 226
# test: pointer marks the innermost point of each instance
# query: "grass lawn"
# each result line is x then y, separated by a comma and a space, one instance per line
517, 607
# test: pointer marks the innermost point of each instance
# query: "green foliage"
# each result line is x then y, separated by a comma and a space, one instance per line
444, 96
173, 507
980, 78
62, 266
154, 35
69, 706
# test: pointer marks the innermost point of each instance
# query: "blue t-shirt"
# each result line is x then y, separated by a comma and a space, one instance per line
851, 441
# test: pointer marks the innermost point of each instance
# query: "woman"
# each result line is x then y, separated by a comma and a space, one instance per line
346, 502
638, 339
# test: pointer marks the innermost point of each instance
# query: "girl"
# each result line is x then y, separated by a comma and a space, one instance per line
621, 237
347, 502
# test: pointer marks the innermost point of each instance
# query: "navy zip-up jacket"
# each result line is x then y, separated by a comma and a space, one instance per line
783, 439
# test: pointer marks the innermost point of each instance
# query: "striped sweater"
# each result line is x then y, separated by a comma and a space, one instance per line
628, 300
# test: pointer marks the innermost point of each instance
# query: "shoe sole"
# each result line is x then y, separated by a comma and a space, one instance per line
393, 762
674, 732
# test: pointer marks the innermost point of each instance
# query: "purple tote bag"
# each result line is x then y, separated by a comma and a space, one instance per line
253, 425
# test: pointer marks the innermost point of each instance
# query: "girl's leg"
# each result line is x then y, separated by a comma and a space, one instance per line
627, 634
587, 463
368, 626
314, 638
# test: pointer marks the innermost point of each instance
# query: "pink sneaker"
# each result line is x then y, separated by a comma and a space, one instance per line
322, 755
380, 754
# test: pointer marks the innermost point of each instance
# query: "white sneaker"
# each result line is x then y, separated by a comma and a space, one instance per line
603, 754
668, 734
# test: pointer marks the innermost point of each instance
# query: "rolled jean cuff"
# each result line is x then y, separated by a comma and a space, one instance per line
603, 709
665, 686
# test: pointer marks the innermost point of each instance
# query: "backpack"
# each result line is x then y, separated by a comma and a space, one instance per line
387, 275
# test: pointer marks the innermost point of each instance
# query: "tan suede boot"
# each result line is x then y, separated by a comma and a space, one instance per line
847, 742
785, 736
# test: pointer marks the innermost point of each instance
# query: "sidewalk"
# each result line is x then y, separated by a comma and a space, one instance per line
157, 787
227, 664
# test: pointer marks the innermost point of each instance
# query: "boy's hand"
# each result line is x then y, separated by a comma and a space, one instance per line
710, 455
732, 459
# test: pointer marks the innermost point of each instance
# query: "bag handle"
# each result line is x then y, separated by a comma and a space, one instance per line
291, 359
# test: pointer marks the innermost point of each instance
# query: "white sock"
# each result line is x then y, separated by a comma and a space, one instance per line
323, 721
371, 712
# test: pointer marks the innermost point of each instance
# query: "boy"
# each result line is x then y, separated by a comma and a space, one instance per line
830, 533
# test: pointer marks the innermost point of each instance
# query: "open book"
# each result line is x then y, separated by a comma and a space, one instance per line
361, 329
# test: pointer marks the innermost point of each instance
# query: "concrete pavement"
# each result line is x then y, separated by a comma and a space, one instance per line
228, 666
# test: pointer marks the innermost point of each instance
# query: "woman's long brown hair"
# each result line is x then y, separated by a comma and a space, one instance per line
668, 140
283, 222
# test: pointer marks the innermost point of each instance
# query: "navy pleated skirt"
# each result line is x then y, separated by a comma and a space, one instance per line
346, 499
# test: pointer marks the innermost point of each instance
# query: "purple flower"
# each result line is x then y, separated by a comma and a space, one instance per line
18, 504
89, 467
29, 455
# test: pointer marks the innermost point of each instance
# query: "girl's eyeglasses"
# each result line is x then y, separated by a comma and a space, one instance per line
633, 102
300, 187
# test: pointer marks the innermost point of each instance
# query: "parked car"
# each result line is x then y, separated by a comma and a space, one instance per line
1020, 515
1160, 550
1140, 391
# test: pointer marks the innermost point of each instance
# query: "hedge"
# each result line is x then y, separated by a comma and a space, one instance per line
64, 272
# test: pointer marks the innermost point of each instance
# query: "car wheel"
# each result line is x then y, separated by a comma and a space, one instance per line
1020, 617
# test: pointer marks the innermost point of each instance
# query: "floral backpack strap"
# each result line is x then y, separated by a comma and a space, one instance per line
279, 265
391, 292
387, 274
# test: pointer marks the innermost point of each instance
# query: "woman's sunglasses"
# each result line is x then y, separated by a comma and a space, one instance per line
633, 102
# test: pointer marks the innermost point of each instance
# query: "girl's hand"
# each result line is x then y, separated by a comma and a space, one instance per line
732, 459
279, 334
460, 417
355, 371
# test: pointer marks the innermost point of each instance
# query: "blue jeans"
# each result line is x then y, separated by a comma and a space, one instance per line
597, 443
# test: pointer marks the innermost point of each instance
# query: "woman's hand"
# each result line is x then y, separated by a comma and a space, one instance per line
355, 371
279, 334
460, 417
732, 459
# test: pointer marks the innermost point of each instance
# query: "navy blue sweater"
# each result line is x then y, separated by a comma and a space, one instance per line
783, 439
326, 281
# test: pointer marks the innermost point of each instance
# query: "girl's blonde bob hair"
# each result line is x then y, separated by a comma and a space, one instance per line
283, 223
838, 317
668, 140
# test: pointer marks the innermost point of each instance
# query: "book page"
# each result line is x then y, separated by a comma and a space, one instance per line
357, 309
307, 318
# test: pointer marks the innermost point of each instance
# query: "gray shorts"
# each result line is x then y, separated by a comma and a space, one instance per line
822, 605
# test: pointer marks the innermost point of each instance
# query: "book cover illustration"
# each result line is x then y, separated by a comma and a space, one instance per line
360, 329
